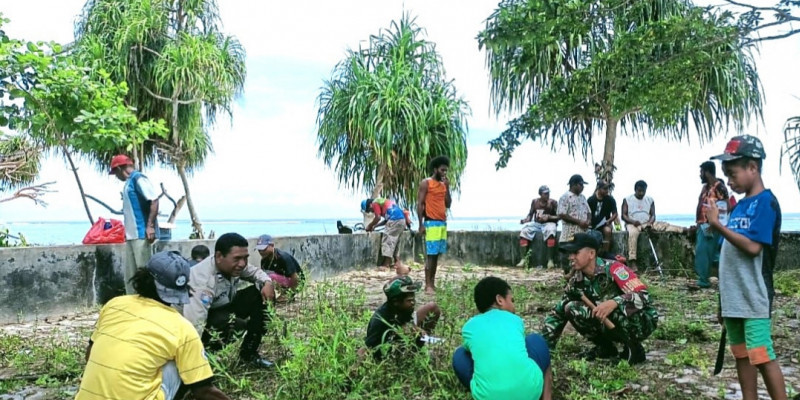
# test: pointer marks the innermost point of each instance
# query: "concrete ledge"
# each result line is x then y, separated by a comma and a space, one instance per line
46, 281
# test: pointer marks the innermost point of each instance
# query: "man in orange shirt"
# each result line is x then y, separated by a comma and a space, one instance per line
433, 202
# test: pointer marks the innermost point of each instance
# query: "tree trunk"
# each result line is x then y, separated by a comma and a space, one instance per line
198, 227
376, 191
80, 185
605, 170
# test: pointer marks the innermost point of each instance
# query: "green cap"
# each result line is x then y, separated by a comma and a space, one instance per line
400, 285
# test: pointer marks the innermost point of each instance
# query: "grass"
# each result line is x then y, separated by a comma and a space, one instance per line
314, 341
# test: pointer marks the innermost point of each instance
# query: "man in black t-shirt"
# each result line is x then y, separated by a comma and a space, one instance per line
393, 317
281, 266
604, 211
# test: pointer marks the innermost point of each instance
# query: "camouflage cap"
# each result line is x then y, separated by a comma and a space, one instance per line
399, 286
742, 146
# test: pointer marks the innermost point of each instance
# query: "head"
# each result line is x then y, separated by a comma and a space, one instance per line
121, 167
439, 167
582, 251
493, 292
544, 192
742, 161
165, 279
400, 294
200, 252
230, 254
708, 172
365, 205
640, 189
265, 245
602, 189
576, 184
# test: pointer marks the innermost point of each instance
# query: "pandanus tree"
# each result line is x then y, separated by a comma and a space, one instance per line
180, 68
387, 111
576, 69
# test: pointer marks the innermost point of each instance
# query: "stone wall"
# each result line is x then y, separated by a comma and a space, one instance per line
38, 282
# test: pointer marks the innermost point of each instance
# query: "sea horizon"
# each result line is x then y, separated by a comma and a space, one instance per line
47, 233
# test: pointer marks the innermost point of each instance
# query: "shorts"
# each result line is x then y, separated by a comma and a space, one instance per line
391, 236
435, 237
751, 338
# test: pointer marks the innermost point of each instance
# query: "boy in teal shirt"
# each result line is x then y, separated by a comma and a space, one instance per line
497, 360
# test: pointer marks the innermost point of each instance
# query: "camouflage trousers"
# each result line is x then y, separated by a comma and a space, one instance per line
634, 328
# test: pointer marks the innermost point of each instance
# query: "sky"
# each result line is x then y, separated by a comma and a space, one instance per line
265, 163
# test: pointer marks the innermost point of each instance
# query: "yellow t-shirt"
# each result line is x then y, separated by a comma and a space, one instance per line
133, 339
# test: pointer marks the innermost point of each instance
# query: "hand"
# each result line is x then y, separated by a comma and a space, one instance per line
604, 309
523, 221
712, 212
584, 224
541, 218
637, 224
421, 229
150, 234
268, 292
446, 182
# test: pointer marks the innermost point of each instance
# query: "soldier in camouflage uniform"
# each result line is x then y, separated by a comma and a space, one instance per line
619, 296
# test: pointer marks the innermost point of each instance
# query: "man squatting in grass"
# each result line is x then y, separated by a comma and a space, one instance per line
393, 317
218, 308
497, 360
139, 211
433, 202
619, 296
280, 265
540, 228
391, 216
746, 262
141, 347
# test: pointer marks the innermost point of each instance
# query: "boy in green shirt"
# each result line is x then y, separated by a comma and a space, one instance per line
497, 360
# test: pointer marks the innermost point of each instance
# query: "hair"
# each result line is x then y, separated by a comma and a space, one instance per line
144, 284
709, 167
200, 251
486, 292
439, 161
742, 162
368, 204
640, 184
229, 240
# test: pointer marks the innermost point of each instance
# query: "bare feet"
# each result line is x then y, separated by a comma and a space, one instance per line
429, 290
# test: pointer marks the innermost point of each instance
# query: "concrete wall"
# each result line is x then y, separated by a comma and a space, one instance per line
45, 281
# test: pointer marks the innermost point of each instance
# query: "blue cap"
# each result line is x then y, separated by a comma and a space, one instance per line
264, 241
171, 274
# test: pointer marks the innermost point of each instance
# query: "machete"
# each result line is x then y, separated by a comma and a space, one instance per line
720, 353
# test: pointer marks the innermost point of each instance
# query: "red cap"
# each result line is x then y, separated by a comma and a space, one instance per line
118, 161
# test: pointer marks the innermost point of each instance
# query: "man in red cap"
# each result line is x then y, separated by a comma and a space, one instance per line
139, 208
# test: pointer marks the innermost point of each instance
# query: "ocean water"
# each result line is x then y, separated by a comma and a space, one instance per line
72, 232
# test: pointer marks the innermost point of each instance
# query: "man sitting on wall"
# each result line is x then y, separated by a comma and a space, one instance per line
540, 225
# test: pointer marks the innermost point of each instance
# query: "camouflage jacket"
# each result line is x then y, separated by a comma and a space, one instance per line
612, 280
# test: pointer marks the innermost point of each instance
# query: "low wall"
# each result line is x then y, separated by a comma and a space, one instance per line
38, 282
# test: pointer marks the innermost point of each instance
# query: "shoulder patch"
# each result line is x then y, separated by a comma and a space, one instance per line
622, 274
206, 298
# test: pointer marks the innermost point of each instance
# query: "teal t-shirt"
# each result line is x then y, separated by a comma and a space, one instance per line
503, 370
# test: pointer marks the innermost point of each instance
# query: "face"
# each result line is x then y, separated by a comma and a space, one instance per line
267, 251
506, 302
740, 178
121, 173
545, 196
232, 264
406, 304
581, 259
441, 172
703, 177
639, 192
576, 188
602, 192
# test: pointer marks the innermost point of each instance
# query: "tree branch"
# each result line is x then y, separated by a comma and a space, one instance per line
98, 201
162, 98
34, 193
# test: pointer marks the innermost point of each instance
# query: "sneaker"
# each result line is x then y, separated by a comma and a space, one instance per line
430, 339
634, 354
551, 264
521, 263
540, 267
596, 352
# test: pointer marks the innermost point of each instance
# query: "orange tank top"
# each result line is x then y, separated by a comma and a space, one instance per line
434, 200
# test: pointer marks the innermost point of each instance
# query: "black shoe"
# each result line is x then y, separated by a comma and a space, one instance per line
634, 354
257, 362
603, 352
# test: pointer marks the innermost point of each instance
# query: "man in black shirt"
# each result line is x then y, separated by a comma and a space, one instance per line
281, 266
604, 211
393, 317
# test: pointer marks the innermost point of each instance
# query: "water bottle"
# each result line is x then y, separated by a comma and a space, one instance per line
722, 205
107, 225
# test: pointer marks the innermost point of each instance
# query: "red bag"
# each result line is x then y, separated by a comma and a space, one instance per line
105, 232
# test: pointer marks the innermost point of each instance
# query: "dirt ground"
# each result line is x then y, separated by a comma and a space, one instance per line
669, 369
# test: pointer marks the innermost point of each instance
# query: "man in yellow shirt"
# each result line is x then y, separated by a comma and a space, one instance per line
144, 349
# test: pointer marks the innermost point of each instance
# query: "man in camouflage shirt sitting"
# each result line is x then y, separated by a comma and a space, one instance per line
602, 294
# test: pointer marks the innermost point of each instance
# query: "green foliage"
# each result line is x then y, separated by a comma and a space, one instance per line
20, 160
791, 147
658, 67
691, 356
787, 283
6, 239
387, 111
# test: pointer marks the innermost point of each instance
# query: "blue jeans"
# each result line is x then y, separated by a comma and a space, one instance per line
705, 254
537, 348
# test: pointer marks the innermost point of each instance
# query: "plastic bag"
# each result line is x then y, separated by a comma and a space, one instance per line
105, 231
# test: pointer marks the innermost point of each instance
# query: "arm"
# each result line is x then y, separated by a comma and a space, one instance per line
625, 216
447, 199
294, 280
151, 221
262, 281
374, 222
421, 195
652, 213
529, 217
208, 392
742, 242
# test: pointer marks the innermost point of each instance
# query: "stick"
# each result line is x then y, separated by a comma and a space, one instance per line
720, 353
606, 322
